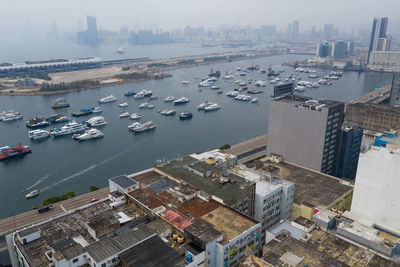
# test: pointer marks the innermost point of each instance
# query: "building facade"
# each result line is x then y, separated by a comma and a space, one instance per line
306, 132
379, 40
350, 146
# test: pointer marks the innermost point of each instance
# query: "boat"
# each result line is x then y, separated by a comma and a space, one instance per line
147, 126
135, 116
12, 116
13, 151
37, 122
108, 99
260, 83
153, 97
96, 121
83, 112
185, 115
334, 77
254, 92
144, 105
150, 106
139, 96
32, 194
313, 76
61, 118
169, 99
124, 115
97, 110
181, 101
262, 71
88, 134
243, 98
145, 93
168, 112
129, 93
220, 92
69, 128
38, 134
232, 93
212, 107
185, 82
203, 105
121, 50
228, 77
123, 104
215, 87
300, 89
134, 125
3, 113
254, 100
205, 84
60, 103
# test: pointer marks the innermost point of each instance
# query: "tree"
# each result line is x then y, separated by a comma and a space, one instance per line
93, 188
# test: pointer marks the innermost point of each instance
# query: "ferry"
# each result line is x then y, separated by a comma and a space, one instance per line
60, 103
13, 151
185, 115
38, 134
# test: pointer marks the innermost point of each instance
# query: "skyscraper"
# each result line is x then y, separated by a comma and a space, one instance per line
350, 146
379, 40
293, 30
305, 131
329, 30
91, 33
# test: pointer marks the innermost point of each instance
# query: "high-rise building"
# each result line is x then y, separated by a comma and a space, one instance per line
305, 131
329, 30
379, 40
91, 32
395, 91
350, 145
335, 49
293, 30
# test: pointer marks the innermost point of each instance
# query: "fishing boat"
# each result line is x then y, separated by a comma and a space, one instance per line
185, 115
60, 103
32, 194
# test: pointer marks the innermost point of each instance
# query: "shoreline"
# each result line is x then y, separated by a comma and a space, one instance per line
36, 91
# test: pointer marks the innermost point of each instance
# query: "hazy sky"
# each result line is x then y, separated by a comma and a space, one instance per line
20, 17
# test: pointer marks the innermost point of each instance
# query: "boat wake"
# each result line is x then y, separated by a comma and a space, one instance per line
91, 167
38, 181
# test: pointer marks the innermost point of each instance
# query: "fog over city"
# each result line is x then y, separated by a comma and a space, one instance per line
32, 19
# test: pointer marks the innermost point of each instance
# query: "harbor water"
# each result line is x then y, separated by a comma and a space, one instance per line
57, 165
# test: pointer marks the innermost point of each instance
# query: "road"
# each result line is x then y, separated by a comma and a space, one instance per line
249, 149
27, 218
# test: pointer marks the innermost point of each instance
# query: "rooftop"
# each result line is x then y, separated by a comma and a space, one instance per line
176, 219
304, 222
203, 231
315, 188
322, 249
308, 102
228, 222
123, 181
181, 169
104, 249
144, 254
146, 177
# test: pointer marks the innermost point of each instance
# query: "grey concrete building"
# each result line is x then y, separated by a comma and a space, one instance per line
305, 131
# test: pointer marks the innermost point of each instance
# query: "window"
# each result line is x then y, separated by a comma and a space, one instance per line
103, 265
75, 260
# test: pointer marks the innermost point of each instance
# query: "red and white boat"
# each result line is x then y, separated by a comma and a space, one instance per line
13, 151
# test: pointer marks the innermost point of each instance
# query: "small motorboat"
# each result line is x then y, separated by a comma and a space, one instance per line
254, 100
134, 125
144, 105
185, 82
185, 115
123, 104
97, 110
135, 116
88, 134
32, 194
169, 99
124, 115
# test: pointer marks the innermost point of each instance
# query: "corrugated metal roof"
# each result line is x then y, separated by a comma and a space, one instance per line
123, 181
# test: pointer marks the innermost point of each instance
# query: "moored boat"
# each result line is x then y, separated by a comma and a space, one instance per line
60, 103
180, 101
38, 134
83, 112
147, 126
13, 151
124, 115
108, 99
96, 121
88, 134
185, 115
130, 93
123, 104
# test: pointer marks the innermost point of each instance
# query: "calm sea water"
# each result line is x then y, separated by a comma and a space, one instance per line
62, 164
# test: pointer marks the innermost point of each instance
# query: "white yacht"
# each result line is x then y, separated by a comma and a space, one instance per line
135, 116
203, 105
96, 121
150, 106
180, 101
232, 93
168, 112
145, 93
139, 96
134, 125
88, 134
32, 194
254, 100
260, 83
69, 128
228, 77
108, 99
123, 104
169, 99
212, 107
144, 105
12, 116
212, 79
185, 82
205, 84
97, 110
62, 118
145, 127
38, 134
124, 115
215, 87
